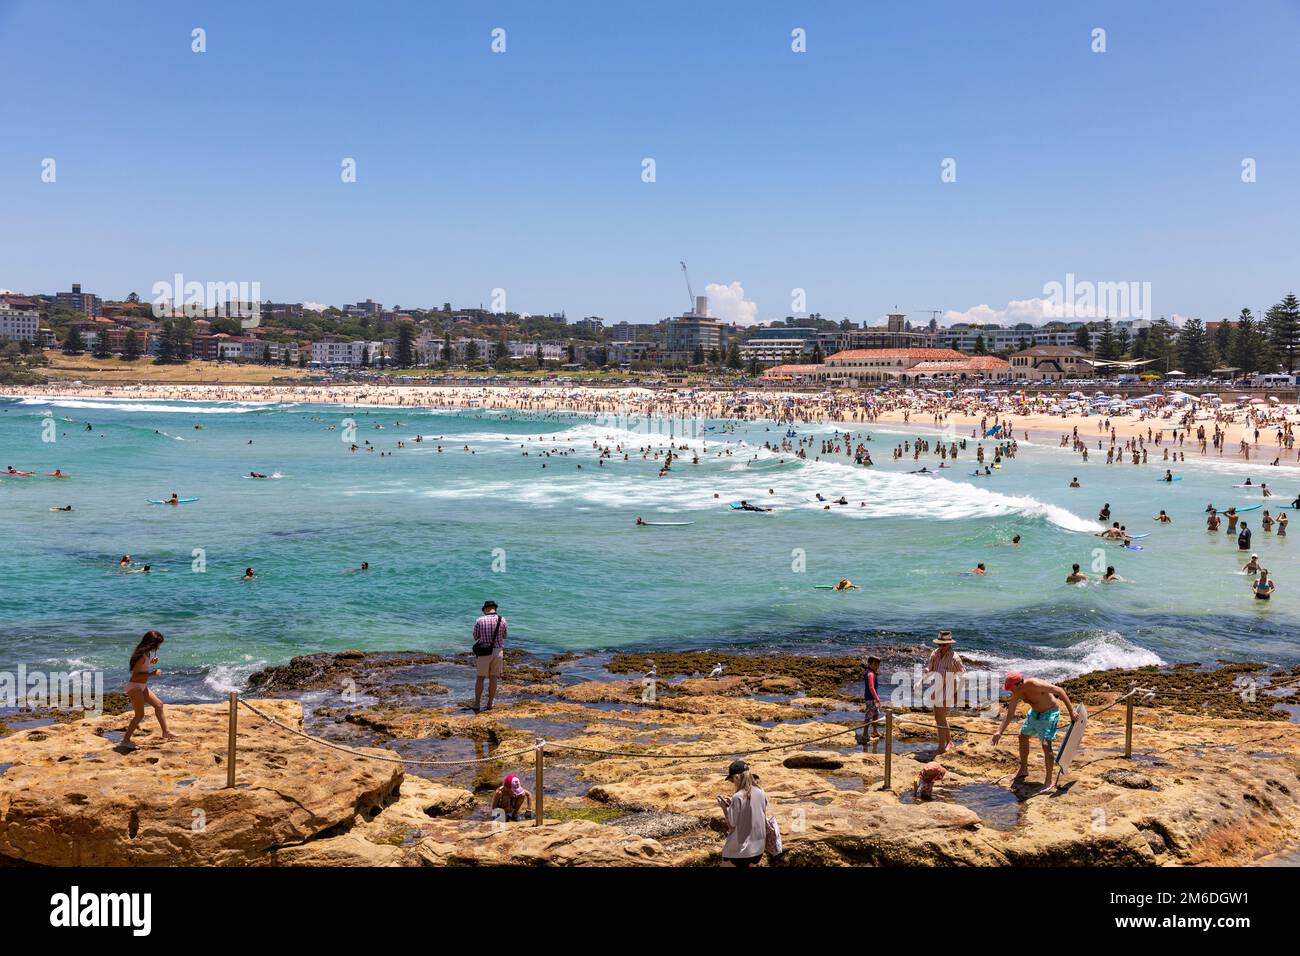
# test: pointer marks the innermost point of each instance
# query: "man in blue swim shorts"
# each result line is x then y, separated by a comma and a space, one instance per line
1044, 713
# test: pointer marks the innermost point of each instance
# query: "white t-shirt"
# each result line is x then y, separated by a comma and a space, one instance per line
747, 817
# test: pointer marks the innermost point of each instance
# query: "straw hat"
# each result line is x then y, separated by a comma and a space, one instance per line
944, 639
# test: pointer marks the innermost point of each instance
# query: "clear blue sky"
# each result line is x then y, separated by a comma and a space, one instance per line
776, 170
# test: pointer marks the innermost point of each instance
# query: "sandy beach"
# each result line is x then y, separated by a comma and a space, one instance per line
966, 414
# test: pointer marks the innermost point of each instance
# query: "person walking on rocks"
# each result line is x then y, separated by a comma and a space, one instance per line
1044, 712
489, 652
745, 813
137, 688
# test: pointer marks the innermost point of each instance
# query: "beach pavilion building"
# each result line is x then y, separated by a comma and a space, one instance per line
903, 366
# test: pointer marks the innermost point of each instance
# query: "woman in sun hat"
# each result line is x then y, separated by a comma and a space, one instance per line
745, 812
947, 669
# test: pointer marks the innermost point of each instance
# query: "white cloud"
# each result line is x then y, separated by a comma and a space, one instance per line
727, 303
1035, 311
7, 292
315, 306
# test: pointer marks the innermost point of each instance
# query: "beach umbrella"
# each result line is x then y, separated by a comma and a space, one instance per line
1176, 372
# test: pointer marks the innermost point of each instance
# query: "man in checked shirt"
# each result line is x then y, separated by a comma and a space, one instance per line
489, 651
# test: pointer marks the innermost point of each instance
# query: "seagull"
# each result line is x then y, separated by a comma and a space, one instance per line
717, 670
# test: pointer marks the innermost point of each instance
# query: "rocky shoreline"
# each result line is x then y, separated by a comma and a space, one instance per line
1211, 782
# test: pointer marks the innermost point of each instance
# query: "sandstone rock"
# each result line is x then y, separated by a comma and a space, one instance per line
1127, 778
71, 799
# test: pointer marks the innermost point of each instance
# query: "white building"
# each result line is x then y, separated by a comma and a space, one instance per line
346, 353
551, 351
18, 325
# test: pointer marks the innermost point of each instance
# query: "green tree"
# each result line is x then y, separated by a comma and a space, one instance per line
446, 347
1082, 339
1107, 347
733, 356
1123, 340
1194, 348
980, 347
471, 352
1283, 323
1247, 347
697, 357
405, 356
365, 356
131, 346
72, 342
101, 349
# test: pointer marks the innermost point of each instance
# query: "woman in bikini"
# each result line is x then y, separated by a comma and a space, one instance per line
137, 689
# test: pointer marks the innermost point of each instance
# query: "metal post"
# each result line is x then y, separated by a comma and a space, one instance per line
889, 749
539, 783
230, 740
1128, 730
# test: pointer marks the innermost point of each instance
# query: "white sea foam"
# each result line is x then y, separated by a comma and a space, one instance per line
1106, 650
223, 678
111, 405
625, 486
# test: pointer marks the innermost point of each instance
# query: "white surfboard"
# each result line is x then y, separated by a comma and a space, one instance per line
1073, 740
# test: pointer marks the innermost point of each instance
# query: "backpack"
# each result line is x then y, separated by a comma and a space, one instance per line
484, 649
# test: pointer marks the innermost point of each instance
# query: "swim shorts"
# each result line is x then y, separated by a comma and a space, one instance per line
1042, 726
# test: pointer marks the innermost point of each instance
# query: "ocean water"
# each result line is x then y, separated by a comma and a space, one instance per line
558, 547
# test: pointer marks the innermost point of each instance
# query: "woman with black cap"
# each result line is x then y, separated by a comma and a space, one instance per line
745, 812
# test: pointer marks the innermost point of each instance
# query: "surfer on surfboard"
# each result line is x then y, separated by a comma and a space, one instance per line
1041, 721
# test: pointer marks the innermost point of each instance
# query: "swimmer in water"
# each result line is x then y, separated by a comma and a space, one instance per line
249, 574
639, 520
1163, 518
1074, 483
846, 585
1252, 566
174, 499
979, 569
1015, 540
1110, 574
1075, 576
144, 570
1263, 588
64, 508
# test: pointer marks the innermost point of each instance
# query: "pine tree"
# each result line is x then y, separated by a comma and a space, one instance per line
101, 349
1194, 348
1082, 339
1245, 350
1123, 340
405, 345
980, 347
1107, 348
1283, 321
733, 356
72, 342
131, 346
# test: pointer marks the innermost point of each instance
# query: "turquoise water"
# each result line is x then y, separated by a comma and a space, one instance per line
557, 546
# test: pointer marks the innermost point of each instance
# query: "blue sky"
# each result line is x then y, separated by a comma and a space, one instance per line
774, 170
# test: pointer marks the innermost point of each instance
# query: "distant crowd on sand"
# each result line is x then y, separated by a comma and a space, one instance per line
751, 830
1234, 425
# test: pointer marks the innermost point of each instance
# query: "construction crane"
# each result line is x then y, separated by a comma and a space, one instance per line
689, 291
934, 313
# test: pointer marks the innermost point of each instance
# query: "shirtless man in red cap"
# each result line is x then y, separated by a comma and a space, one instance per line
1044, 712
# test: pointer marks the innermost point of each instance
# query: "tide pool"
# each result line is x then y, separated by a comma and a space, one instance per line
559, 549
